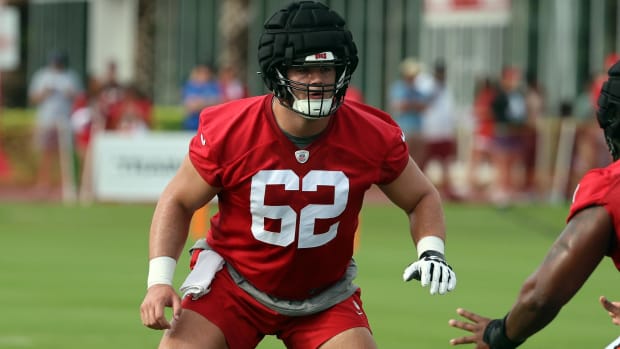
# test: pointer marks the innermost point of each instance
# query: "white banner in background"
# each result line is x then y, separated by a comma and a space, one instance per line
450, 13
9, 38
136, 167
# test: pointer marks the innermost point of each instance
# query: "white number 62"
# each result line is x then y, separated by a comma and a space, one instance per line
288, 216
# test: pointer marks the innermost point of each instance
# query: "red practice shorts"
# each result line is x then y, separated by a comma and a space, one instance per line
244, 321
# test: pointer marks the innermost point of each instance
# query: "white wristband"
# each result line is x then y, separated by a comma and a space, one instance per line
430, 243
161, 271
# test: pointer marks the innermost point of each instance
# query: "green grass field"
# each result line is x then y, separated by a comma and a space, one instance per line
74, 277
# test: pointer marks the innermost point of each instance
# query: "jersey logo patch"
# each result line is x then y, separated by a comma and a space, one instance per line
202, 139
358, 309
321, 56
302, 156
575, 193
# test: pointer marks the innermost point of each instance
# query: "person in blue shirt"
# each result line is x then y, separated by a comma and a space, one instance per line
199, 91
408, 100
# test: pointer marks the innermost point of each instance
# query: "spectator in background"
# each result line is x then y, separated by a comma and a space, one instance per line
93, 110
201, 90
231, 87
534, 108
407, 101
591, 233
132, 114
53, 89
509, 117
439, 131
5, 166
109, 91
482, 140
82, 117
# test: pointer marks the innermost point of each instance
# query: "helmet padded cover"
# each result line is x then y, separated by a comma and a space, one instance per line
609, 110
610, 94
299, 30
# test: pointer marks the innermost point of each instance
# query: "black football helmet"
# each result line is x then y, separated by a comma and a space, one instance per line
609, 110
305, 34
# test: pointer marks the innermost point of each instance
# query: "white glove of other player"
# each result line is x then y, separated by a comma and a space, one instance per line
432, 269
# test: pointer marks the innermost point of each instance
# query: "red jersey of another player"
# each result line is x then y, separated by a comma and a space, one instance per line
287, 216
601, 187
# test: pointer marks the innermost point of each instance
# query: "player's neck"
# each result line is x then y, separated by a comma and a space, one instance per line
296, 125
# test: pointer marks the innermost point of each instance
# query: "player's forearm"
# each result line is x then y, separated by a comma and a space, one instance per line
169, 229
534, 309
528, 322
428, 233
570, 261
185, 193
427, 219
546, 291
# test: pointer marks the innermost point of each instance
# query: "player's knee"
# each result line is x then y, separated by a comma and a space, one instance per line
359, 337
193, 331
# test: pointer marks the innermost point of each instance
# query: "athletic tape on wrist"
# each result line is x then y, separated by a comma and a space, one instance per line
430, 243
161, 271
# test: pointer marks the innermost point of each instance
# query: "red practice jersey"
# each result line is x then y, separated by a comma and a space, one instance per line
601, 187
287, 216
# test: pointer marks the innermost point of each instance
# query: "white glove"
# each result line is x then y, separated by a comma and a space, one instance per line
432, 269
614, 344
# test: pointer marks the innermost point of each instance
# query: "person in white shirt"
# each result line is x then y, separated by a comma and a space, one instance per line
53, 89
439, 130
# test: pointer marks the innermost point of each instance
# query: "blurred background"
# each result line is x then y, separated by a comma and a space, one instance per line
150, 51
99, 98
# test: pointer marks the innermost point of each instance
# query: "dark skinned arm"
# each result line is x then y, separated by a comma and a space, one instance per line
571, 260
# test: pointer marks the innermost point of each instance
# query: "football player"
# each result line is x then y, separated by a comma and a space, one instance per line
289, 170
592, 232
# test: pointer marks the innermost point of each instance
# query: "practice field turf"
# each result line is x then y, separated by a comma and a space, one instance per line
74, 277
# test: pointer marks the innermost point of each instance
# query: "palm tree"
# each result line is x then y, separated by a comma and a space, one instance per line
145, 49
233, 27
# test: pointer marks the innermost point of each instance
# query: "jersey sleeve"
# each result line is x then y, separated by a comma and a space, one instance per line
395, 154
203, 152
591, 191
396, 158
601, 187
